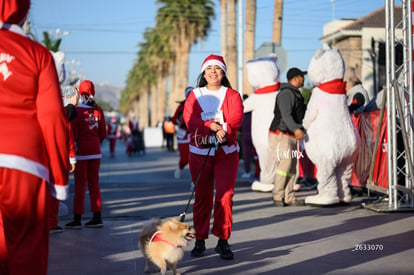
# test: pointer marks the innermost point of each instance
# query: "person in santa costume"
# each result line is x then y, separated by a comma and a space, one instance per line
357, 96
213, 113
263, 74
54, 204
34, 158
112, 135
89, 130
183, 135
133, 124
332, 142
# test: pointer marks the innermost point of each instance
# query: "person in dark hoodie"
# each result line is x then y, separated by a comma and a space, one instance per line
285, 129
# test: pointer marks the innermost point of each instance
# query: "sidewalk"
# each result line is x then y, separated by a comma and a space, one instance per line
265, 239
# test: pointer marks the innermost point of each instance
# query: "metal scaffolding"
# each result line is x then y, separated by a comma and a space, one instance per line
399, 110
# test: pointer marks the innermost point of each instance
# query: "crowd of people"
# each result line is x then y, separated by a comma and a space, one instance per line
211, 143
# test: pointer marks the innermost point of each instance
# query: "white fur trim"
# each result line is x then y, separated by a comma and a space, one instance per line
12, 27
58, 191
213, 62
25, 165
87, 157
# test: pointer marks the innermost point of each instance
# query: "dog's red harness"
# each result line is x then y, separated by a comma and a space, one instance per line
157, 237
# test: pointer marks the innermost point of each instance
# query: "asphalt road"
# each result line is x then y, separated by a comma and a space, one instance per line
265, 239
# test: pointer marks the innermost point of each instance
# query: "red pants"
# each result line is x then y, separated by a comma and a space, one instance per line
87, 172
53, 211
24, 238
220, 169
112, 143
184, 151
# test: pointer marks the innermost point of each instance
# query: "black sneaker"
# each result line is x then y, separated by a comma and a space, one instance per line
94, 223
73, 225
56, 229
199, 248
223, 248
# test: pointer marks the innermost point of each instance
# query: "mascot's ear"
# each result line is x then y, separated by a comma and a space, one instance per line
315, 70
318, 53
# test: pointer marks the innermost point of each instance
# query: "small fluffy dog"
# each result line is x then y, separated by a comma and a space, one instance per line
162, 243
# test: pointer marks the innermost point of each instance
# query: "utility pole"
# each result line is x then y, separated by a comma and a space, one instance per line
333, 9
240, 50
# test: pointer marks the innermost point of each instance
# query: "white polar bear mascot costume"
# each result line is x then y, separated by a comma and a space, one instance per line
263, 74
332, 142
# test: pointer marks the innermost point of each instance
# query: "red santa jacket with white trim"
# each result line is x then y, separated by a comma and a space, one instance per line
182, 134
112, 130
89, 130
133, 125
33, 121
232, 108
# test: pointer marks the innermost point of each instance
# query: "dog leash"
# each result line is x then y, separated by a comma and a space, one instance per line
182, 215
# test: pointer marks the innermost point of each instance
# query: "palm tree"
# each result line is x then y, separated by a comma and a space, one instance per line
50, 43
277, 22
189, 21
232, 43
130, 93
161, 56
147, 75
223, 14
249, 39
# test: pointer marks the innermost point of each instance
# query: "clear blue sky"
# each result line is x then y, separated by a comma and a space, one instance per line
101, 37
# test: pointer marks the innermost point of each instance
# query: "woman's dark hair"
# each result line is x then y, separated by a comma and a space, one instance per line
92, 103
202, 82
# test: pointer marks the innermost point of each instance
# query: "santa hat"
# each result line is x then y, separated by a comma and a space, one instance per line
13, 11
87, 87
213, 59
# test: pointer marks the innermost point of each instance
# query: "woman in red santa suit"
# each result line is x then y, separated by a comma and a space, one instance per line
112, 135
33, 147
213, 113
89, 130
133, 124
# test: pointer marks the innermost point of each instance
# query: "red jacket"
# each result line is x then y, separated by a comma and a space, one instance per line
232, 108
33, 122
133, 125
89, 130
182, 134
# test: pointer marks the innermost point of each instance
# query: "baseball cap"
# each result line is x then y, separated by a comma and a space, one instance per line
294, 72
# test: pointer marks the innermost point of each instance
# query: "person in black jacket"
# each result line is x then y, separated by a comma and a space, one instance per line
285, 129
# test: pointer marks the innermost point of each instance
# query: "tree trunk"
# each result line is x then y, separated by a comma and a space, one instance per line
249, 40
277, 22
161, 96
172, 84
143, 110
232, 44
181, 74
223, 5
154, 105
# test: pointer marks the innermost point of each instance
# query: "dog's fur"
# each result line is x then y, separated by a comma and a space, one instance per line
168, 250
